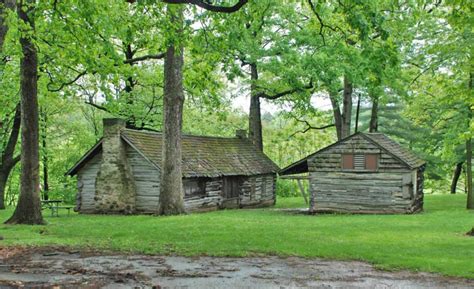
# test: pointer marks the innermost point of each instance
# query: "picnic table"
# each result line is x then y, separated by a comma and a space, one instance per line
54, 206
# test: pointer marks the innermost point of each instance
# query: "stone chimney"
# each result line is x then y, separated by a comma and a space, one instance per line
115, 186
241, 133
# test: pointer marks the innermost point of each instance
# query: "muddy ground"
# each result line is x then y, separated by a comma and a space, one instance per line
61, 268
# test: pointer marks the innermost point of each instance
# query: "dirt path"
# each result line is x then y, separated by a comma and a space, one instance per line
55, 268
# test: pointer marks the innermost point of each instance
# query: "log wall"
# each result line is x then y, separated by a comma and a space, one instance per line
392, 188
330, 159
258, 191
209, 201
362, 193
255, 191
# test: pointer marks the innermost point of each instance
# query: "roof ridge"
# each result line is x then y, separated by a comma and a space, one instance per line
183, 134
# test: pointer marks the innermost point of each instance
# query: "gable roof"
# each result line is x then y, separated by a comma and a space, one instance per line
391, 146
379, 139
203, 156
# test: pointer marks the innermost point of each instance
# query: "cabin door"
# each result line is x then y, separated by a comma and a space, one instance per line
231, 192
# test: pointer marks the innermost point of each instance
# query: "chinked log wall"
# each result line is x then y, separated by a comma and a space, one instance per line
362, 193
210, 201
258, 191
388, 190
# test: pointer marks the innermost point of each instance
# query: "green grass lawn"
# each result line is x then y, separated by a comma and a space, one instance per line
431, 241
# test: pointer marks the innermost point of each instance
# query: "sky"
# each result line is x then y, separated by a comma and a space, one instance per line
240, 95
242, 102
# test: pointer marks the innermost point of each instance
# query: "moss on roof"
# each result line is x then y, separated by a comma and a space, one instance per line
205, 156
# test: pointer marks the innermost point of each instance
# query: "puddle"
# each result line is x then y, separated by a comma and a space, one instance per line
61, 269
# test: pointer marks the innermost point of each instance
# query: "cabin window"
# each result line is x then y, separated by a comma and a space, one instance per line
194, 187
367, 162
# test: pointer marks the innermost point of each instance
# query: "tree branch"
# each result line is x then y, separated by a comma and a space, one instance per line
322, 24
286, 92
13, 139
64, 84
205, 4
310, 127
144, 57
97, 106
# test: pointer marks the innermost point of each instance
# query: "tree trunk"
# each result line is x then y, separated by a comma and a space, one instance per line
374, 116
129, 86
45, 159
456, 174
347, 108
28, 209
357, 114
8, 161
342, 120
470, 197
337, 114
255, 117
171, 195
3, 185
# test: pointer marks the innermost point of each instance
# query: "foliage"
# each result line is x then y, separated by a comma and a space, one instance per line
413, 57
429, 241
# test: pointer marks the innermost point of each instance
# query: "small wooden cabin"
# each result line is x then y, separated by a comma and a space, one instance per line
121, 173
363, 173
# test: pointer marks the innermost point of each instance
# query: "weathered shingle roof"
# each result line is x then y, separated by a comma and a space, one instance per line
396, 149
205, 156
379, 139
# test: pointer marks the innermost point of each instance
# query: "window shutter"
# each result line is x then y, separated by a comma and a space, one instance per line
359, 162
371, 162
347, 161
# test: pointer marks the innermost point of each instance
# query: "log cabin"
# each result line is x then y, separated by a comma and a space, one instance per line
363, 173
121, 173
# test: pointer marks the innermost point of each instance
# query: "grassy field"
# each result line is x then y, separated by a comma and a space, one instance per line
432, 241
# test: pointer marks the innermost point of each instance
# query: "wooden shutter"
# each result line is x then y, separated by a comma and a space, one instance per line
347, 161
359, 162
371, 162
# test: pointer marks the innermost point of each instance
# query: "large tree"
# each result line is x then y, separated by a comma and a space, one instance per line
259, 48
171, 194
171, 189
28, 209
354, 49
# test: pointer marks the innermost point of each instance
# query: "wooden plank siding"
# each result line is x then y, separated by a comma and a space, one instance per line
147, 182
86, 185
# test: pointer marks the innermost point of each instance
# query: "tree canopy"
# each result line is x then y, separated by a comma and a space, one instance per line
309, 73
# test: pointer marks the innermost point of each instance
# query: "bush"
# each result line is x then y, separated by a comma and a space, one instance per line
289, 188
